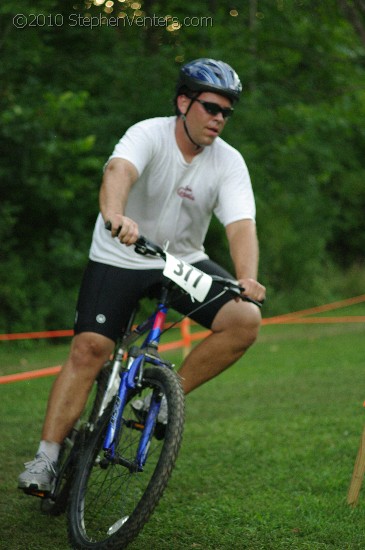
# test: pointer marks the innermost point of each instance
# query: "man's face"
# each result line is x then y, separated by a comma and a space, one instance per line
203, 126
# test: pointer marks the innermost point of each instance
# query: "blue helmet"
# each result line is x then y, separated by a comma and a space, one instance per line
209, 75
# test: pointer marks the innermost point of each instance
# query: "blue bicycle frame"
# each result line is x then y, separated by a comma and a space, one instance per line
129, 380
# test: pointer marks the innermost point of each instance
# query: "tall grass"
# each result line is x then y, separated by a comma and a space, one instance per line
266, 461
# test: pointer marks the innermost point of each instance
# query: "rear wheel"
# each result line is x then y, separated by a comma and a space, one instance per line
112, 500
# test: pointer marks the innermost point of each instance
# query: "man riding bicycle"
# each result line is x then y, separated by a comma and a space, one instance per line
165, 179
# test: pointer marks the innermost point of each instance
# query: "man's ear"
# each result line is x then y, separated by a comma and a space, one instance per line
182, 103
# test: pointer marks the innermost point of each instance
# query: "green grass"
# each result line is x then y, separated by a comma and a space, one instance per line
267, 456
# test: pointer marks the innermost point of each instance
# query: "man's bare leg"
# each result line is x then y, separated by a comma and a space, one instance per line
235, 328
88, 353
69, 393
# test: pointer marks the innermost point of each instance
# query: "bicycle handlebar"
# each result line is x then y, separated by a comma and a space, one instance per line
145, 247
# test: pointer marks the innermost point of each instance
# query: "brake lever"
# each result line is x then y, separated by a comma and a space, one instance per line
143, 246
252, 301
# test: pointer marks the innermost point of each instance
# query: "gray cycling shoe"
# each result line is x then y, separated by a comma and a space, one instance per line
39, 474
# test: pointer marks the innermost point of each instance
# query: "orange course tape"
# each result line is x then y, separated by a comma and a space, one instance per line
188, 338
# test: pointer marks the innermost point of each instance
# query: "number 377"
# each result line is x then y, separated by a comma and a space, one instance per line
190, 272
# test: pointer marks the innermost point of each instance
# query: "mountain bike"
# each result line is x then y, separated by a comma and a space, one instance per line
123, 456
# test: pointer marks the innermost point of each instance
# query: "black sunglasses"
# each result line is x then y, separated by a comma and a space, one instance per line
214, 108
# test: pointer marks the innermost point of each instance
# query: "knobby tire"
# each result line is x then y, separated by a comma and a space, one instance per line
110, 504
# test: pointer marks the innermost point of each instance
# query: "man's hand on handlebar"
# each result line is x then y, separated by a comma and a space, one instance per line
253, 289
125, 229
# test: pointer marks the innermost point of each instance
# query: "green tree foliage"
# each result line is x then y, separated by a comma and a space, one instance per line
78, 74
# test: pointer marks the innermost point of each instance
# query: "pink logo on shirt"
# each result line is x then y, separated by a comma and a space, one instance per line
186, 193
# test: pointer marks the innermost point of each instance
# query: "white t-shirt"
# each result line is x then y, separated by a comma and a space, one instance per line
174, 200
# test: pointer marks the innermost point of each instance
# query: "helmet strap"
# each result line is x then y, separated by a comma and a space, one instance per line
183, 118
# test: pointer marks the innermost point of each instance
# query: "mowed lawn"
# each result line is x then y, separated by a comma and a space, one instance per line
267, 456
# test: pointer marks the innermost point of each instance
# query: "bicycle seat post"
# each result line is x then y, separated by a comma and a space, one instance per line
164, 295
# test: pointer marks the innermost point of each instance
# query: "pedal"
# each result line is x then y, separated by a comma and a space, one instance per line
136, 426
33, 490
36, 492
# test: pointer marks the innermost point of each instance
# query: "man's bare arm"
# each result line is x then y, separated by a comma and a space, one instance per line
244, 249
118, 179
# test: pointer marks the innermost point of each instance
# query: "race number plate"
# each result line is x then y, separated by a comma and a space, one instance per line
192, 280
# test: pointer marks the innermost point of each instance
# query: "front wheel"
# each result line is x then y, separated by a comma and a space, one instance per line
111, 501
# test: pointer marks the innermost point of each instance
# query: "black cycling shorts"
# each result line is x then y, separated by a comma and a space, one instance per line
109, 294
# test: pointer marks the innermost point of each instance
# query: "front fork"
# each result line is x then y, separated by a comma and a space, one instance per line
126, 384
147, 433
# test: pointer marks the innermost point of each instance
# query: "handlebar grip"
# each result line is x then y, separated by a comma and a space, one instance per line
108, 226
142, 245
247, 298
236, 290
